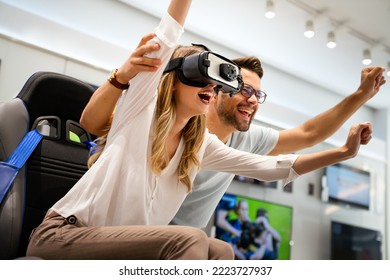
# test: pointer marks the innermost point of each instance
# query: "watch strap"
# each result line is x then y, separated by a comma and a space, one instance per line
112, 79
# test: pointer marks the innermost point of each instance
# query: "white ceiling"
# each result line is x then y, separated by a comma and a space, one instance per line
279, 42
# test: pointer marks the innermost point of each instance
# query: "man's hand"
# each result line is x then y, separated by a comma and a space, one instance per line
371, 80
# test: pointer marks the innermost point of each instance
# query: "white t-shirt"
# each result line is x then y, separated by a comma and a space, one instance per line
209, 186
120, 188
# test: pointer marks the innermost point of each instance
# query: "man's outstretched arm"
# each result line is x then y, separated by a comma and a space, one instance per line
322, 126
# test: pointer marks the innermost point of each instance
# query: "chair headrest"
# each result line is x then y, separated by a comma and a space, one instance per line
49, 93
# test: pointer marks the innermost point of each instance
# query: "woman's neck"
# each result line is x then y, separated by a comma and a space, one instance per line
174, 138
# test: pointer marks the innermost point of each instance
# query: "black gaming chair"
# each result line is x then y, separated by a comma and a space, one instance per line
51, 102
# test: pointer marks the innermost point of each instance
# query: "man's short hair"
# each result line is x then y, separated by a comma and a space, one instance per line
250, 63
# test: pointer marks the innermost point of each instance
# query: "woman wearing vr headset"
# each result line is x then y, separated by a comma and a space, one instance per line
121, 207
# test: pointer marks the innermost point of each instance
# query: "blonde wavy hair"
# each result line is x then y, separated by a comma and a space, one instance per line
193, 133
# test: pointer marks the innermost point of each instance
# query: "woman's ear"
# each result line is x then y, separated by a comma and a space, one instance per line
174, 86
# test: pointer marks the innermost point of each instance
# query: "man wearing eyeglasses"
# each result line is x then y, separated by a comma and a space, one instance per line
230, 119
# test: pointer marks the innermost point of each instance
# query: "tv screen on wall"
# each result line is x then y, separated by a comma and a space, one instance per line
272, 185
348, 185
255, 229
350, 242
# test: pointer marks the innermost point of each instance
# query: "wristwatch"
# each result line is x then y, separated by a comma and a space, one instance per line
112, 79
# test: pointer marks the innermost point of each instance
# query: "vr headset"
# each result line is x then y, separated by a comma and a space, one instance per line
202, 69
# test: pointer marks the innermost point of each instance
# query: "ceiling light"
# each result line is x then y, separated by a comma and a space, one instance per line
309, 31
270, 9
388, 68
331, 40
366, 57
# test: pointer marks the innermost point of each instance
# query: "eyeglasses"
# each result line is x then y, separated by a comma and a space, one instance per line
247, 91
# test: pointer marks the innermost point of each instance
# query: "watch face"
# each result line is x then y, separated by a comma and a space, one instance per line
113, 74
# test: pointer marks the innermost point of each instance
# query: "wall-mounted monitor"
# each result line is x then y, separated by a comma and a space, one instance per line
240, 221
272, 185
350, 242
347, 185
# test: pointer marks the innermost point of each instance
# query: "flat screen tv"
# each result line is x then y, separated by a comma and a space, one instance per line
272, 185
255, 229
350, 242
348, 185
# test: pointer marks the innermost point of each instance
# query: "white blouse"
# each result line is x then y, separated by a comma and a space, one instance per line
120, 188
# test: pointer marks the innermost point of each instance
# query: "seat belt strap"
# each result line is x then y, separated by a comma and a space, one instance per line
25, 148
91, 146
10, 168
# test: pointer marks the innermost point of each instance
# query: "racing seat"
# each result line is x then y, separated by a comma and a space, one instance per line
52, 103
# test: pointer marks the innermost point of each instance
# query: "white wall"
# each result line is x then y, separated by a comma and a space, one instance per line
19, 61
30, 43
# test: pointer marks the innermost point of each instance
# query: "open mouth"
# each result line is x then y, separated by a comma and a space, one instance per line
246, 112
206, 97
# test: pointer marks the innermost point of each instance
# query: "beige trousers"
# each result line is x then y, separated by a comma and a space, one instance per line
61, 239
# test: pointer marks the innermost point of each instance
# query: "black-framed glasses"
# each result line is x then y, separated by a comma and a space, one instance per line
247, 91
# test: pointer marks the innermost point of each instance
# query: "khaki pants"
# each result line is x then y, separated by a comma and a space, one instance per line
60, 238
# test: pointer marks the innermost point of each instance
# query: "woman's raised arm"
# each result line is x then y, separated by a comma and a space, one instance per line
178, 9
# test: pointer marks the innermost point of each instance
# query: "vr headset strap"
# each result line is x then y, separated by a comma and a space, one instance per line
177, 62
174, 64
201, 45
